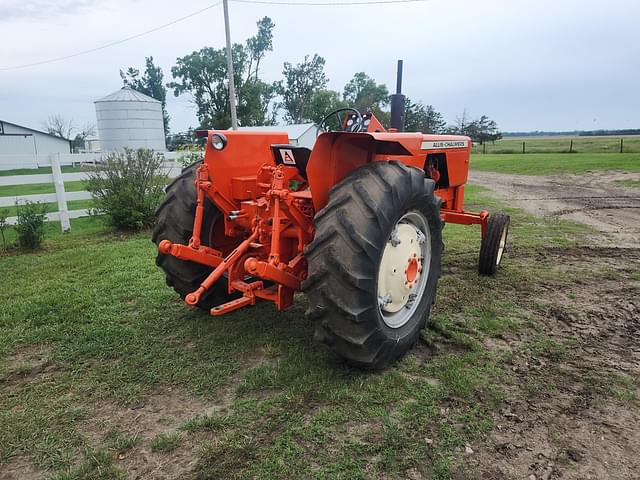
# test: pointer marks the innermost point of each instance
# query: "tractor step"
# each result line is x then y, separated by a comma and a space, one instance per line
231, 306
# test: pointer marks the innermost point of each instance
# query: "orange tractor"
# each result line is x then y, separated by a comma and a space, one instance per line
355, 223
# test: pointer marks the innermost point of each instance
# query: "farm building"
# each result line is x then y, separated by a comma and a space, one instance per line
19, 140
130, 119
91, 145
300, 134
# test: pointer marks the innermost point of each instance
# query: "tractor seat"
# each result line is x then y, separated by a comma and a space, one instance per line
292, 156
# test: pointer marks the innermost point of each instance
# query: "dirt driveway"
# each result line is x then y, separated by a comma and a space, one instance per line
571, 405
595, 198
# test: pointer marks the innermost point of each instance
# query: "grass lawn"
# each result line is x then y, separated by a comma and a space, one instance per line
630, 183
39, 188
88, 325
52, 207
40, 170
84, 229
601, 144
553, 164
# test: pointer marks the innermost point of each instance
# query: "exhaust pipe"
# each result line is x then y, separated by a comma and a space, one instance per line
398, 103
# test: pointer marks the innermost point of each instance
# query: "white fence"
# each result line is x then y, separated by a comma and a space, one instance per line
12, 162
55, 161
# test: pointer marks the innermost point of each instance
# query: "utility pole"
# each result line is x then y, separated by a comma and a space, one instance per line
232, 87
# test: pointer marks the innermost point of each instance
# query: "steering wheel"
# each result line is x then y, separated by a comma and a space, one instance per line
354, 123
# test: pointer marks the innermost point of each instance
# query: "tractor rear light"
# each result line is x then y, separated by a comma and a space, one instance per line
218, 141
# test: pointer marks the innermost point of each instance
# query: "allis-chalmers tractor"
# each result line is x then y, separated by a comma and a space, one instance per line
355, 223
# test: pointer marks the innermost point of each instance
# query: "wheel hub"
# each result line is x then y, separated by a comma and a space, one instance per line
412, 271
401, 281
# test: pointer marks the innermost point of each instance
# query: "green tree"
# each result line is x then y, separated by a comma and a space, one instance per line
422, 118
259, 45
481, 130
322, 102
256, 104
487, 130
461, 125
363, 93
182, 140
300, 83
150, 83
256, 98
203, 75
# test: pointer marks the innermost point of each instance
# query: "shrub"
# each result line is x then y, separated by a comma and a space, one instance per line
30, 224
3, 227
190, 154
127, 187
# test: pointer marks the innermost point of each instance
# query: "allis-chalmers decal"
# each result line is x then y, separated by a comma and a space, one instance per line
444, 144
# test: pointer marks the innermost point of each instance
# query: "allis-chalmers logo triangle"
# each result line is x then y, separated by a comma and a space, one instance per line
287, 157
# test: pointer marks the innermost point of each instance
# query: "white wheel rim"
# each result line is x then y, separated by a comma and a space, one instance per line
404, 269
503, 243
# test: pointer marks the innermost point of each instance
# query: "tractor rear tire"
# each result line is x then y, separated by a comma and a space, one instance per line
346, 259
494, 244
174, 222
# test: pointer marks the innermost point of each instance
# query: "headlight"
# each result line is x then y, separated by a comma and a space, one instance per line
218, 141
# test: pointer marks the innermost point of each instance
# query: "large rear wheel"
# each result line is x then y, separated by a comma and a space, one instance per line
174, 222
374, 263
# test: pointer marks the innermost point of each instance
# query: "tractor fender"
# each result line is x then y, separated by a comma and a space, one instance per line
336, 154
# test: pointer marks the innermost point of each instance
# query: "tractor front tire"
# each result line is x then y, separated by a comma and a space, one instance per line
174, 222
379, 232
494, 244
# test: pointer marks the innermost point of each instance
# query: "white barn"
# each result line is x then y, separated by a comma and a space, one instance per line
19, 140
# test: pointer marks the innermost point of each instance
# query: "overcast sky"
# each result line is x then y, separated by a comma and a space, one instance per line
528, 64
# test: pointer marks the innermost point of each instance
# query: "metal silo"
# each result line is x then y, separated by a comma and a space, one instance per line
128, 118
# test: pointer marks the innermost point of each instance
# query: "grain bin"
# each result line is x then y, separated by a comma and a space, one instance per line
130, 119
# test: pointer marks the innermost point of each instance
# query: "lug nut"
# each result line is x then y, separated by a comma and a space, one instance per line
394, 239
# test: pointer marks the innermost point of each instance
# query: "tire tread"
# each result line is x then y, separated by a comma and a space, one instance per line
344, 255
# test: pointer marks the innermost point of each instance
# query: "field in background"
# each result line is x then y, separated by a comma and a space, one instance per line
630, 183
558, 163
604, 144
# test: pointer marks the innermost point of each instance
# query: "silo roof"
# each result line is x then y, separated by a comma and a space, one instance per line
127, 94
